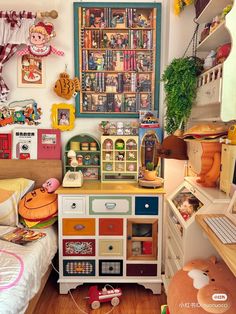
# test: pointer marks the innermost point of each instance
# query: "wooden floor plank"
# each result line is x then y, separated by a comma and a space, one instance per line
135, 300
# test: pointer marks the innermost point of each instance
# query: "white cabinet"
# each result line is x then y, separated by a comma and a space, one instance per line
184, 238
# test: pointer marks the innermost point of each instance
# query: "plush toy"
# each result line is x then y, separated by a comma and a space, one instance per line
201, 287
66, 87
40, 35
51, 185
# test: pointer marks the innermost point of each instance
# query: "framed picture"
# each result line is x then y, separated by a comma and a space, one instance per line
31, 71
63, 116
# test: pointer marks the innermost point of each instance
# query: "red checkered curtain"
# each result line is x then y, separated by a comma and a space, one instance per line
14, 31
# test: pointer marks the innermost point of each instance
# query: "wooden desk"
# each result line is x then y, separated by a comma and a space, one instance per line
227, 252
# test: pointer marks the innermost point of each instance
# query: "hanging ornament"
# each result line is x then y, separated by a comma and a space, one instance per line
66, 87
40, 35
180, 4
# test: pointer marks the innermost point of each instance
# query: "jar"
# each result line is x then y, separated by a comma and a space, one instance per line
93, 146
75, 145
85, 146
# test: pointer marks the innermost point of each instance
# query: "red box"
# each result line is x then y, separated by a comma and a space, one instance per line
5, 146
49, 144
147, 247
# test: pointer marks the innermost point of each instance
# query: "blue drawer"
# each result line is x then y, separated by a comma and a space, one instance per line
145, 205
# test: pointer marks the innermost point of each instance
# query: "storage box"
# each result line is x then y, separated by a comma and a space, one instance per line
49, 144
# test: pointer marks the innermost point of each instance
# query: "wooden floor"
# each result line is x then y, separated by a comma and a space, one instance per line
135, 300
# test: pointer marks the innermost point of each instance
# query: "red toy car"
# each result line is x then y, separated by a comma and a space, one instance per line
105, 295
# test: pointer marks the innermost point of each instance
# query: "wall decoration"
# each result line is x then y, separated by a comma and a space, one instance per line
20, 112
31, 71
40, 35
66, 87
63, 116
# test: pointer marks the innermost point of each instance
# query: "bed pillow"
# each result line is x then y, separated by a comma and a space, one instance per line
11, 191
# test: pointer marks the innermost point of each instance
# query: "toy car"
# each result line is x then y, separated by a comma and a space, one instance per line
97, 297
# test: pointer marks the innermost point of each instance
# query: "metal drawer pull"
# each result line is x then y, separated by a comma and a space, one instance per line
79, 227
110, 247
110, 268
141, 271
147, 205
177, 257
73, 205
110, 205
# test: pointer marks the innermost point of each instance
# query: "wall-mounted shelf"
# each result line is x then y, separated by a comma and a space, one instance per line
211, 10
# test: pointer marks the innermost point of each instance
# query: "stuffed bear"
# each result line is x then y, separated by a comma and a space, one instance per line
201, 287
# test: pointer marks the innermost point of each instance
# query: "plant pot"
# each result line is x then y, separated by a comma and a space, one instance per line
149, 175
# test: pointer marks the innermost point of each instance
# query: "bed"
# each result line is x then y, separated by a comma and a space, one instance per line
24, 270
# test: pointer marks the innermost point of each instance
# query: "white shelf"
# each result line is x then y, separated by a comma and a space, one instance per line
213, 8
218, 37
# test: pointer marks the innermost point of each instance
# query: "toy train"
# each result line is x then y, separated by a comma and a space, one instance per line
96, 297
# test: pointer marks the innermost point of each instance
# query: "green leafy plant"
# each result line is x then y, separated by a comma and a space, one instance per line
150, 166
180, 85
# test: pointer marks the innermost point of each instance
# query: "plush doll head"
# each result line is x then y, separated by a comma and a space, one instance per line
51, 185
201, 287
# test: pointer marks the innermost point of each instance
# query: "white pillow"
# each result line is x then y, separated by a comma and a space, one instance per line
11, 191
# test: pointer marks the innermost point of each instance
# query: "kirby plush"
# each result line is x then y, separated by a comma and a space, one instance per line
51, 185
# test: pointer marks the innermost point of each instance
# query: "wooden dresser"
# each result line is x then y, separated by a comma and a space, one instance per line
110, 232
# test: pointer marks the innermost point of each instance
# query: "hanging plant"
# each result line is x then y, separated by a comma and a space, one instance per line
180, 84
179, 5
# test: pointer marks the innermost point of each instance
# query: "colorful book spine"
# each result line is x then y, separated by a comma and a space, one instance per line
83, 17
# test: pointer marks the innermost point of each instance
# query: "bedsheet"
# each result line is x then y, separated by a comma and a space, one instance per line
21, 270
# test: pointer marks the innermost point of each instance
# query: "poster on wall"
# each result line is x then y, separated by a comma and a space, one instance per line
31, 71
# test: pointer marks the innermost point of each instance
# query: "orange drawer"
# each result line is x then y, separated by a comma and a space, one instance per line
80, 226
110, 226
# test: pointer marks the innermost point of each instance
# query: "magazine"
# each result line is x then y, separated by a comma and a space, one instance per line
22, 236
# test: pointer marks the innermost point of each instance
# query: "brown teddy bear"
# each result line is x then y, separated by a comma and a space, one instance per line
201, 287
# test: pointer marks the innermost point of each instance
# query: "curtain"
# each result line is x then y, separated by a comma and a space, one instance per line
14, 31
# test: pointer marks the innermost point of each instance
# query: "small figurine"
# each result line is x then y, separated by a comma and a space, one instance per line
131, 156
87, 160
108, 145
120, 128
51, 185
108, 167
120, 144
131, 167
209, 61
120, 156
80, 160
95, 160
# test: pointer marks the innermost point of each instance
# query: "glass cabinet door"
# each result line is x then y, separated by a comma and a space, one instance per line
142, 239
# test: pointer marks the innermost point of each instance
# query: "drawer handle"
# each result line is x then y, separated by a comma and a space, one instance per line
129, 237
169, 237
110, 247
177, 257
73, 205
147, 206
110, 268
192, 190
110, 205
141, 271
79, 227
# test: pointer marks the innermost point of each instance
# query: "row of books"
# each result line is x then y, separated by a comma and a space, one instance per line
108, 60
116, 102
116, 82
116, 18
133, 39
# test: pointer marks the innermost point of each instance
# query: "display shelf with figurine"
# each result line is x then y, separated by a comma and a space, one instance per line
117, 57
87, 149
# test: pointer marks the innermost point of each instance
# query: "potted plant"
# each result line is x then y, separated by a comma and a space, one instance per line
180, 85
149, 173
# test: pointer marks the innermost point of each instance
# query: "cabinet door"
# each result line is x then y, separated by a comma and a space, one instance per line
142, 239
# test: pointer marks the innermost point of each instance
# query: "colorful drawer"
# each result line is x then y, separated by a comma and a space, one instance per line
141, 269
108, 205
73, 205
110, 268
78, 267
110, 226
78, 226
111, 247
146, 205
79, 247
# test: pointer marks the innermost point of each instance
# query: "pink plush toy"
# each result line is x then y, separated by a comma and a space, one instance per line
51, 185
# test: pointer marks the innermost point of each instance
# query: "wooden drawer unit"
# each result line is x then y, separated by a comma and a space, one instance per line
78, 226
73, 205
79, 247
111, 247
174, 259
146, 205
78, 267
141, 269
109, 205
172, 241
111, 268
111, 226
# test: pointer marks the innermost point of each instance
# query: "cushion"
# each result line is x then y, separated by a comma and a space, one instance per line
11, 191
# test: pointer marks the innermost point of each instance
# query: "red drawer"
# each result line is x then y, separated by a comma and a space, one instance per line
110, 226
141, 270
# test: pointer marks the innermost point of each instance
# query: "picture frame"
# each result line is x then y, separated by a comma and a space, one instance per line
31, 71
63, 116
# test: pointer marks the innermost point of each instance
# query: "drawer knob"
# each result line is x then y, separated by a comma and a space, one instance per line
129, 237
73, 205
169, 237
177, 257
141, 271
110, 227
110, 247
110, 268
147, 205
110, 205
79, 227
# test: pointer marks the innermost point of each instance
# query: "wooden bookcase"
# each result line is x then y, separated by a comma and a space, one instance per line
117, 58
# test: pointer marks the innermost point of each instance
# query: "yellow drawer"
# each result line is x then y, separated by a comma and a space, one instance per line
111, 247
78, 226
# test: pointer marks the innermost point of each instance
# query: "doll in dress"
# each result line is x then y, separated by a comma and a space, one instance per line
40, 35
